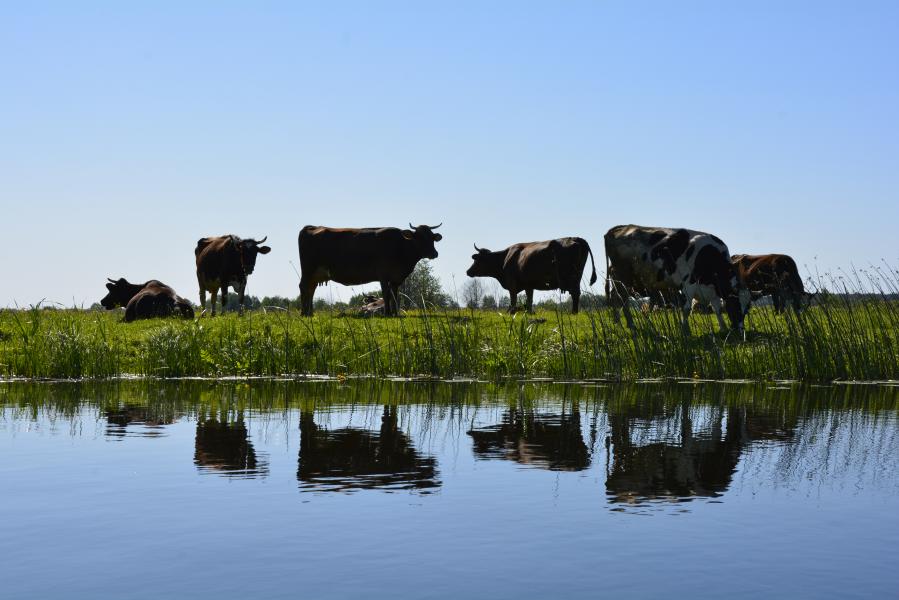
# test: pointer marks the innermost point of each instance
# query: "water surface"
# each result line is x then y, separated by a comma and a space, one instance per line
424, 490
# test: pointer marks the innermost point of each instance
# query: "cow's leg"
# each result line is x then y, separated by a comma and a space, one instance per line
611, 298
685, 315
530, 300
203, 301
224, 296
395, 292
307, 291
214, 294
575, 299
780, 302
716, 306
389, 297
513, 301
240, 296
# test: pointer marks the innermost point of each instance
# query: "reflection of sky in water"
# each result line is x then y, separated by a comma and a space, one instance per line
492, 492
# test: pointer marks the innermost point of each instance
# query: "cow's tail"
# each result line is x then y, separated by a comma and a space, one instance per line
592, 264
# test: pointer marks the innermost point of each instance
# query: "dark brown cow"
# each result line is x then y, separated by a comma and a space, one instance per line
550, 265
226, 261
673, 266
225, 447
145, 300
771, 274
359, 256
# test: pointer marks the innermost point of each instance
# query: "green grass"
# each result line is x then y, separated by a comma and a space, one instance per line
837, 339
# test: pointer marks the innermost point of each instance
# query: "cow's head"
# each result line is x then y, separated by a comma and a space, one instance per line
424, 237
486, 263
737, 302
247, 250
120, 293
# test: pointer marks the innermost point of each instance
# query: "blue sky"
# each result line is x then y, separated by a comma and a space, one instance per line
128, 132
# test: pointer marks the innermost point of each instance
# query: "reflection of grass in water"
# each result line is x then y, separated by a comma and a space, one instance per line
166, 401
835, 339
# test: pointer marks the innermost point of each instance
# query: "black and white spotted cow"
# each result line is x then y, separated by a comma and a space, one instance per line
673, 266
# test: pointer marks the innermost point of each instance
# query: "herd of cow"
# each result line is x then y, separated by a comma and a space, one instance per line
670, 267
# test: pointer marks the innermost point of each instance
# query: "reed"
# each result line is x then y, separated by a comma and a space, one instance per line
849, 335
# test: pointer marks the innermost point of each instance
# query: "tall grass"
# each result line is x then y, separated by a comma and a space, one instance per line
849, 333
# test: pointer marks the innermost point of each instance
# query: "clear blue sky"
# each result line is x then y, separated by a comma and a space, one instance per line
128, 132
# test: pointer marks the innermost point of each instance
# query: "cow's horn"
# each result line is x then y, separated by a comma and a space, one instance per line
436, 226
476, 249
262, 240
411, 226
111, 280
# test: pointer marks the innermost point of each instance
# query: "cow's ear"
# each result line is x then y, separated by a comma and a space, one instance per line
264, 249
408, 234
109, 286
437, 237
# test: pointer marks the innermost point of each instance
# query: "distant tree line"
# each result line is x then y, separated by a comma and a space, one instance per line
422, 290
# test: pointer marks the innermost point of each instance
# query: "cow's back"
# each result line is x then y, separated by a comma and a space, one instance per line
628, 249
212, 253
351, 256
768, 272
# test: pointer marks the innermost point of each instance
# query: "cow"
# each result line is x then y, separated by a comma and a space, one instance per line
550, 265
771, 274
226, 261
359, 256
673, 265
371, 306
145, 300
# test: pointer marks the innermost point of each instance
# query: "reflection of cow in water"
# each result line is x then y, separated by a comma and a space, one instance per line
351, 458
152, 421
225, 448
700, 465
547, 441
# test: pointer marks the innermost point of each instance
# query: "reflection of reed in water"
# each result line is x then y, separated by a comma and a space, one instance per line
225, 448
351, 458
681, 465
547, 441
152, 422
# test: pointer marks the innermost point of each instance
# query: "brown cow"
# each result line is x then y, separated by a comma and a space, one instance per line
771, 274
550, 265
359, 256
145, 300
226, 261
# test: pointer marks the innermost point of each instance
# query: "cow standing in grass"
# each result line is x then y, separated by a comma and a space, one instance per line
771, 274
226, 261
550, 265
145, 300
359, 256
673, 265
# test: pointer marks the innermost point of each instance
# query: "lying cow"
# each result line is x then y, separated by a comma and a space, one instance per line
359, 256
145, 300
226, 261
771, 274
673, 265
550, 265
372, 306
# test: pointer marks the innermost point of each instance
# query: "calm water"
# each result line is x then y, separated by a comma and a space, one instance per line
411, 490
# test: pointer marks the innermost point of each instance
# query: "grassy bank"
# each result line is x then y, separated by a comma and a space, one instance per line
837, 339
